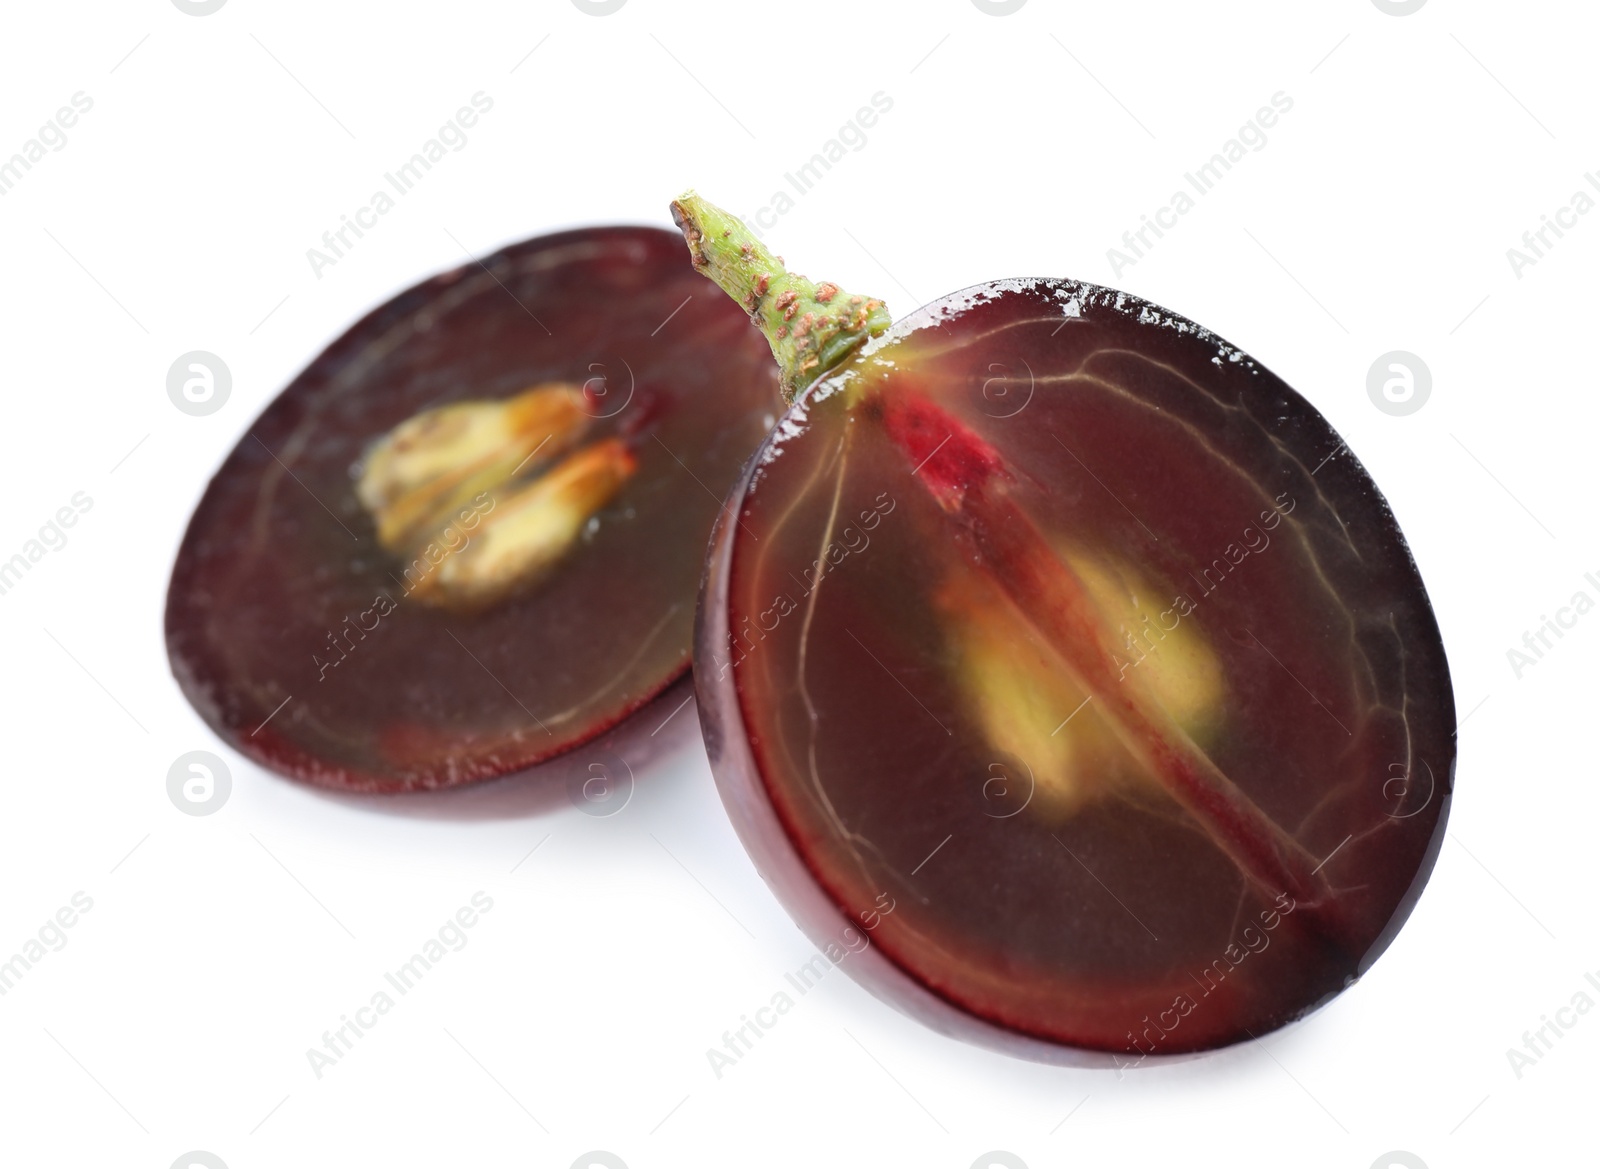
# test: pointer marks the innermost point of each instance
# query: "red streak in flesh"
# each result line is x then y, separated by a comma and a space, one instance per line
967, 477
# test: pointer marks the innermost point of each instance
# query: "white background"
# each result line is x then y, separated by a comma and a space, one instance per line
219, 948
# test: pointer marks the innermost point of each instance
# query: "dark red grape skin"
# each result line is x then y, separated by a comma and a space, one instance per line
849, 736
292, 632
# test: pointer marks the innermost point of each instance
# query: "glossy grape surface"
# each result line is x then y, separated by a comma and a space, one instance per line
890, 722
292, 632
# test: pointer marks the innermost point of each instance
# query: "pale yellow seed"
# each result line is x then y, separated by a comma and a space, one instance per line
1029, 707
529, 528
417, 477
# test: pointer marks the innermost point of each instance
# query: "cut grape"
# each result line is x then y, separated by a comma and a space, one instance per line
1065, 628
467, 538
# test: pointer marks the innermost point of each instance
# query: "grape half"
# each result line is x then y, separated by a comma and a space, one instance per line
316, 650
1061, 628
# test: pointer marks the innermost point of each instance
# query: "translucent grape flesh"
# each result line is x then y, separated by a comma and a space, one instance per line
292, 631
1249, 575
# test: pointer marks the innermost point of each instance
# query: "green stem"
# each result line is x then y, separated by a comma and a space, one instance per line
812, 328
